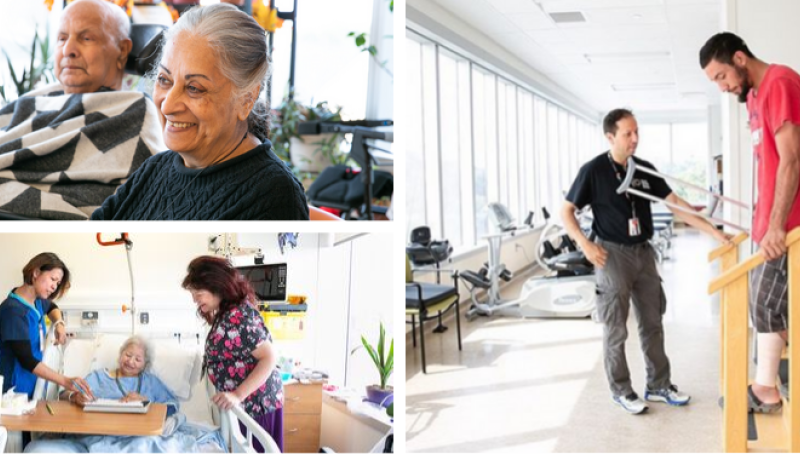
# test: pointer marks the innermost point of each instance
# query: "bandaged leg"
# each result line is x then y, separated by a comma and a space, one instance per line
770, 347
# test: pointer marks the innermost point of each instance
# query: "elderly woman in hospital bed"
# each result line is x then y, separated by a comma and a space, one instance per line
131, 381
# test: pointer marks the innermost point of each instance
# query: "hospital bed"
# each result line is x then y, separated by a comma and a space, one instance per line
177, 364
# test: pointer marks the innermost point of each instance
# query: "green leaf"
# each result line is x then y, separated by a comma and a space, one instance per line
32, 72
361, 39
11, 71
381, 340
351, 34
372, 50
384, 364
370, 351
391, 6
390, 359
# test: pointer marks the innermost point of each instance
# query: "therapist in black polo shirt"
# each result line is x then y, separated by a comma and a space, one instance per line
625, 261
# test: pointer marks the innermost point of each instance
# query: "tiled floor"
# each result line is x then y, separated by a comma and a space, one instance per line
539, 385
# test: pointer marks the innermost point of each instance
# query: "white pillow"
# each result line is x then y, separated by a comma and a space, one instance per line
198, 408
106, 352
174, 365
78, 355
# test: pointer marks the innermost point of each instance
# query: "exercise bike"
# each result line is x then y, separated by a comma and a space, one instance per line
568, 292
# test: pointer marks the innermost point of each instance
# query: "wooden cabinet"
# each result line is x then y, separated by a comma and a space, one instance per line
302, 417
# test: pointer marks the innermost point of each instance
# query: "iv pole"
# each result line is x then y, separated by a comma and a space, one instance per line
124, 239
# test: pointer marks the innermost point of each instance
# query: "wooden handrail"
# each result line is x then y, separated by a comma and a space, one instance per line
744, 267
720, 251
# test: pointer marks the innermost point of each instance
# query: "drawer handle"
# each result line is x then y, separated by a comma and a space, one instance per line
293, 399
291, 431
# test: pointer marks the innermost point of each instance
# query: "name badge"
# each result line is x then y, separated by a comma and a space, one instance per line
634, 229
756, 136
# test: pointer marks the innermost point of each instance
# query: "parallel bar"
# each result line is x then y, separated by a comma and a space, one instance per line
750, 263
729, 260
722, 250
734, 428
793, 263
735, 273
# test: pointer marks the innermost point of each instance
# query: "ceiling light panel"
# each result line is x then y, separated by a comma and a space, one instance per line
626, 57
606, 17
515, 6
584, 5
642, 87
532, 21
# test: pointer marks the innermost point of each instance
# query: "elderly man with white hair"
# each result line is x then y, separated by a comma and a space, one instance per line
66, 147
92, 46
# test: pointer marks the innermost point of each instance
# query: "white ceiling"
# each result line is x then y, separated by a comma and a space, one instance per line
675, 28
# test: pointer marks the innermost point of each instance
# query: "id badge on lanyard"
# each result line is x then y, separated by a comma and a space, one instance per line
40, 326
634, 227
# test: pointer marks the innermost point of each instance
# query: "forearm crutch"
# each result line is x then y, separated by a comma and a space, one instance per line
625, 186
128, 246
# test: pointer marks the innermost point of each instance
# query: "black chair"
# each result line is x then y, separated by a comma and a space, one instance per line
341, 188
146, 42
423, 250
424, 299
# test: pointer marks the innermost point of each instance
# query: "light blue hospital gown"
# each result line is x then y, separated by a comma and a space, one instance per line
182, 438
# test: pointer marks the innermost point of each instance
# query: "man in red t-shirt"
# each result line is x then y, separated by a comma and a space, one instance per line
772, 93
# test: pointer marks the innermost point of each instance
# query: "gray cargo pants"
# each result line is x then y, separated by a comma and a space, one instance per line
631, 274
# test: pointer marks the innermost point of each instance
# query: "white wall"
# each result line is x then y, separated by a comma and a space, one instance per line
332, 348
101, 273
380, 99
371, 303
365, 265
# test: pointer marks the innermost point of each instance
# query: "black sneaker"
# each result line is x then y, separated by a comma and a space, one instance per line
756, 406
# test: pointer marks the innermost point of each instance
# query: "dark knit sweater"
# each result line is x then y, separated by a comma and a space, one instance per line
255, 185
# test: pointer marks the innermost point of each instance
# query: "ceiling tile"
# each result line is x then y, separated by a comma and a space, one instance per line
583, 5
626, 16
515, 6
679, 27
532, 21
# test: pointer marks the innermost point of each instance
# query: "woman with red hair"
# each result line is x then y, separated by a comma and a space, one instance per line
239, 357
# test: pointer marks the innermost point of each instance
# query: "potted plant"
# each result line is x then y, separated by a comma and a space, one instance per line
381, 394
38, 71
308, 153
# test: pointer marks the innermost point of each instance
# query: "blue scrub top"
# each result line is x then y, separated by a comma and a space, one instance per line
19, 320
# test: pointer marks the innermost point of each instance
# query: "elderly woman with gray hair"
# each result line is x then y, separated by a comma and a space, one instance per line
219, 165
131, 381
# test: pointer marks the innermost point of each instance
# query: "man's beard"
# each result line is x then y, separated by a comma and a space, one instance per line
746, 86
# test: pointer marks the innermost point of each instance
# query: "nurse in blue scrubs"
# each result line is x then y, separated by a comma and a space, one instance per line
22, 327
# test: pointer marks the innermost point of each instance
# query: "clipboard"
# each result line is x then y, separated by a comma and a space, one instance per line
116, 406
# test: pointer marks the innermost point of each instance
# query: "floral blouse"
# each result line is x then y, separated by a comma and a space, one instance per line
229, 361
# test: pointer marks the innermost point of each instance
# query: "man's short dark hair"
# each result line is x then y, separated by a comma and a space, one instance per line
611, 119
721, 48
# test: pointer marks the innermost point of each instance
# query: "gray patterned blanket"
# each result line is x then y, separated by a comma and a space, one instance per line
61, 155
